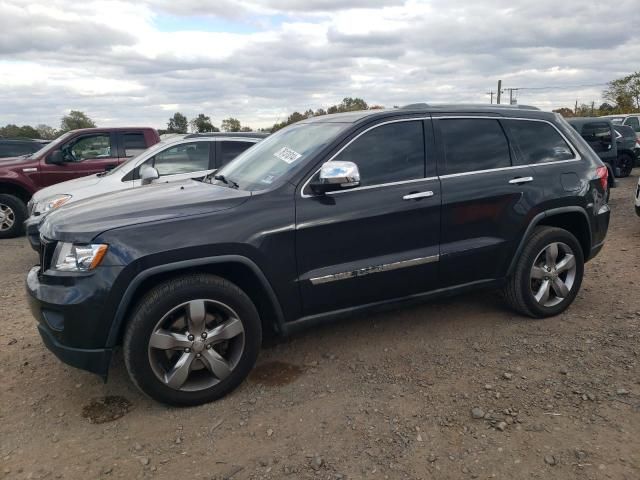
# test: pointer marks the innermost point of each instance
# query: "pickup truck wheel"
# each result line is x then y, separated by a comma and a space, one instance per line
625, 162
13, 213
192, 340
548, 274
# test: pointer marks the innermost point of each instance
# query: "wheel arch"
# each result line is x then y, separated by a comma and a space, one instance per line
573, 219
237, 269
16, 190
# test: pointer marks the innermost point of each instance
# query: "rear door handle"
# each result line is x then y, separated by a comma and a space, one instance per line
520, 180
418, 195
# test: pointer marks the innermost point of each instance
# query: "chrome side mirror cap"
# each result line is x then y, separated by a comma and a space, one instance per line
148, 174
336, 176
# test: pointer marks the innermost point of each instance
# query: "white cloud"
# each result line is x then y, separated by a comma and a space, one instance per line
259, 60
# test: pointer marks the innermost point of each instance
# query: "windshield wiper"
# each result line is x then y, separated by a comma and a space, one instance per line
226, 181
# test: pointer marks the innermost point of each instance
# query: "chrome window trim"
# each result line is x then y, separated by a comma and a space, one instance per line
399, 120
380, 185
387, 267
576, 154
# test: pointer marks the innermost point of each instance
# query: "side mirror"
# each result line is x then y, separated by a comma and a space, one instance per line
148, 174
55, 158
336, 176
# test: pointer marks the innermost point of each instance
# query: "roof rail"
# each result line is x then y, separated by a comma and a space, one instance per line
415, 106
228, 134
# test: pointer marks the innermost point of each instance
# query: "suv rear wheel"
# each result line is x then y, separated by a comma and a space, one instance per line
626, 164
13, 213
548, 274
192, 340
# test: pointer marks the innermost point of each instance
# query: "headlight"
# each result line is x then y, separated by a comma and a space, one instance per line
70, 257
50, 203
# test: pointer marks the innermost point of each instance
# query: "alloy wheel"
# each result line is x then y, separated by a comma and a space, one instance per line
196, 345
553, 274
7, 217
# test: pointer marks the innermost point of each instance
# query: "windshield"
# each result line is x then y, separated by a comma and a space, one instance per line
617, 120
268, 161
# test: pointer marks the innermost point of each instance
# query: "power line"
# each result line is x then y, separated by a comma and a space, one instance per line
550, 87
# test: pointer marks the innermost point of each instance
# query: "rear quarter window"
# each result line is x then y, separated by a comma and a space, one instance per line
537, 142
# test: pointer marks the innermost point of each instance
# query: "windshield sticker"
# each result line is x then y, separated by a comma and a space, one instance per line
287, 155
268, 179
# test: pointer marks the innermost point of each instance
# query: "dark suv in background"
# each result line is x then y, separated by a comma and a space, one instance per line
16, 147
627, 146
331, 216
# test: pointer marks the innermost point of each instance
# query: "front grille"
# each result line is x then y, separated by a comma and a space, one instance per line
47, 247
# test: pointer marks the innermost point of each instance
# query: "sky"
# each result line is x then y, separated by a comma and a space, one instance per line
138, 62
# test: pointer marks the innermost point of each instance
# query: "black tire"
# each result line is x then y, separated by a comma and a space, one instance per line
163, 299
518, 289
13, 213
626, 163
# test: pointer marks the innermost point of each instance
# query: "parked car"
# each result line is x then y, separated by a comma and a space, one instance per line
631, 120
626, 143
16, 147
600, 134
75, 154
331, 216
179, 158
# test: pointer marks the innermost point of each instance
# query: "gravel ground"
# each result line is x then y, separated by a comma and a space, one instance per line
454, 389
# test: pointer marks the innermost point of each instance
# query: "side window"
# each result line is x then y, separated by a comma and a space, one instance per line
472, 144
634, 123
183, 158
230, 150
89, 147
133, 144
537, 142
389, 153
598, 135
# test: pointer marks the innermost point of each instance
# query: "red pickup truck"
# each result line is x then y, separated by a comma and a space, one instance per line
75, 154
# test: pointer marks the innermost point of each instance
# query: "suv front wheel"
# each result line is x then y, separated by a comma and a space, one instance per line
192, 339
548, 274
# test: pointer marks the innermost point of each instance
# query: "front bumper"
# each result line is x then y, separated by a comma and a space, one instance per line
32, 227
92, 360
72, 319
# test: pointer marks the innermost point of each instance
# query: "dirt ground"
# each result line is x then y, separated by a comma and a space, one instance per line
388, 396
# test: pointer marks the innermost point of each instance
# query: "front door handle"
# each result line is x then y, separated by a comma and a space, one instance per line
519, 180
418, 195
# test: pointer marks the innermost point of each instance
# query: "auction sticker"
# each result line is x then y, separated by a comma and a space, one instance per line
287, 155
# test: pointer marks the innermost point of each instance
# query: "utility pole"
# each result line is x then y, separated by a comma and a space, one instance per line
576, 109
593, 104
490, 92
499, 91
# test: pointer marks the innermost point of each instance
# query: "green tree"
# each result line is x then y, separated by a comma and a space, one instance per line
74, 120
624, 93
46, 132
178, 124
246, 129
202, 124
231, 125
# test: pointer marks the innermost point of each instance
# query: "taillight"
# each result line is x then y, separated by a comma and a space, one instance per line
603, 174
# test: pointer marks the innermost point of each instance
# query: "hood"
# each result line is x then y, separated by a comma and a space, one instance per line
9, 162
77, 188
82, 221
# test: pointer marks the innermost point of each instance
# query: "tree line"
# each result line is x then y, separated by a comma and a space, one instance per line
622, 95
74, 120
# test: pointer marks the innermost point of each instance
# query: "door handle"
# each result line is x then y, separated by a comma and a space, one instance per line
418, 195
519, 180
